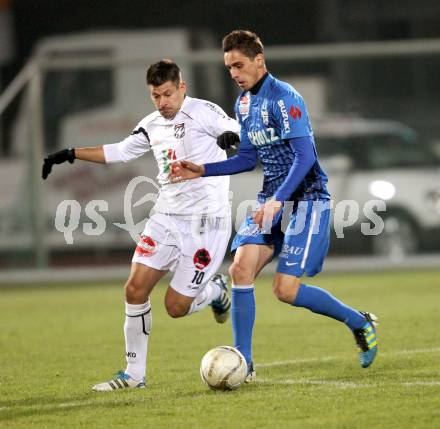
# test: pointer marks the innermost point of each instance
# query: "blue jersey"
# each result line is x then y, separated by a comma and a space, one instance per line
269, 119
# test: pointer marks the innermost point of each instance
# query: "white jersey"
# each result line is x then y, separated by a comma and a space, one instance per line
191, 135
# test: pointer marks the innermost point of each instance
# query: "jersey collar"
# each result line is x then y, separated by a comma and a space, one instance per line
254, 90
184, 108
185, 103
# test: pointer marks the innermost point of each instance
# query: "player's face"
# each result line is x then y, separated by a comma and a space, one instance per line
168, 97
244, 70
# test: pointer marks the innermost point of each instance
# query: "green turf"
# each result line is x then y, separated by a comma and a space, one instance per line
57, 341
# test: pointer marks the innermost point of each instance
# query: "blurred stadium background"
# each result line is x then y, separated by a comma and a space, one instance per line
73, 75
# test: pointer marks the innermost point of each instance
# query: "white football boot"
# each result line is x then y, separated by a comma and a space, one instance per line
220, 307
121, 381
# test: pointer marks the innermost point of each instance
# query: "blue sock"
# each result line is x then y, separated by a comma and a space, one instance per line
243, 318
322, 302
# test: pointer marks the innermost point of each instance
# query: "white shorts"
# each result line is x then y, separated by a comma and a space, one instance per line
192, 249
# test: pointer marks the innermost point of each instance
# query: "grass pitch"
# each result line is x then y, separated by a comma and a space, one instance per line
57, 341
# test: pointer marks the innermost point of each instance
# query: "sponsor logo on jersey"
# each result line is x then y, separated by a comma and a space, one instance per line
265, 113
201, 259
295, 112
168, 155
146, 246
179, 131
261, 137
286, 124
215, 109
293, 250
243, 105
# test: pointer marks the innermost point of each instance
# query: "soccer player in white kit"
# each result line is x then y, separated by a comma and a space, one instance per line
191, 225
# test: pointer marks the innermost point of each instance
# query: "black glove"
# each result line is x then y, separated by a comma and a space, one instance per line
227, 140
57, 158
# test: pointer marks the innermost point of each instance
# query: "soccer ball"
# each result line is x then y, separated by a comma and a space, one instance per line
223, 368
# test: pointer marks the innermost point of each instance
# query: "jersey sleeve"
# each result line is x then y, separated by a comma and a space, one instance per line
215, 121
130, 148
245, 159
305, 157
290, 116
245, 143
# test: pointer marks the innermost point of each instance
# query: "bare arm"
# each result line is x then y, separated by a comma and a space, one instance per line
186, 170
92, 154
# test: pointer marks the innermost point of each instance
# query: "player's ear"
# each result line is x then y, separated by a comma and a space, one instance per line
182, 85
260, 60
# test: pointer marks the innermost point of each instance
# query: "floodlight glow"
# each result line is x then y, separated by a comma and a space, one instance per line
382, 189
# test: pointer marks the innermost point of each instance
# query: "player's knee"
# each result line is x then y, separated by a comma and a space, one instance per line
176, 310
134, 291
240, 273
281, 292
286, 291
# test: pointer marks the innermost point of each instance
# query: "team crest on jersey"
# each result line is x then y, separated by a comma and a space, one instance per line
265, 113
243, 105
179, 131
146, 246
202, 258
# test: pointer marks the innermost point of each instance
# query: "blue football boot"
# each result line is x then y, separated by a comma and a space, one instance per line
366, 339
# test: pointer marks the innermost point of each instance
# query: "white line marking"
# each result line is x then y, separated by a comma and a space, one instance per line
68, 404
350, 385
422, 383
414, 351
330, 358
295, 361
49, 406
334, 383
75, 404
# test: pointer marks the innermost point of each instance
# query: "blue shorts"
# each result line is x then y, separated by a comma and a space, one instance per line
301, 245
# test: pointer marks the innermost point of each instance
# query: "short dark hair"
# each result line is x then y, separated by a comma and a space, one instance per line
163, 71
245, 41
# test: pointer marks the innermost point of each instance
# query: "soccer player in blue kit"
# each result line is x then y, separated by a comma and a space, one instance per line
276, 130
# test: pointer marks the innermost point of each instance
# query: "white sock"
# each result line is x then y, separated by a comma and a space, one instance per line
137, 329
209, 293
249, 286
